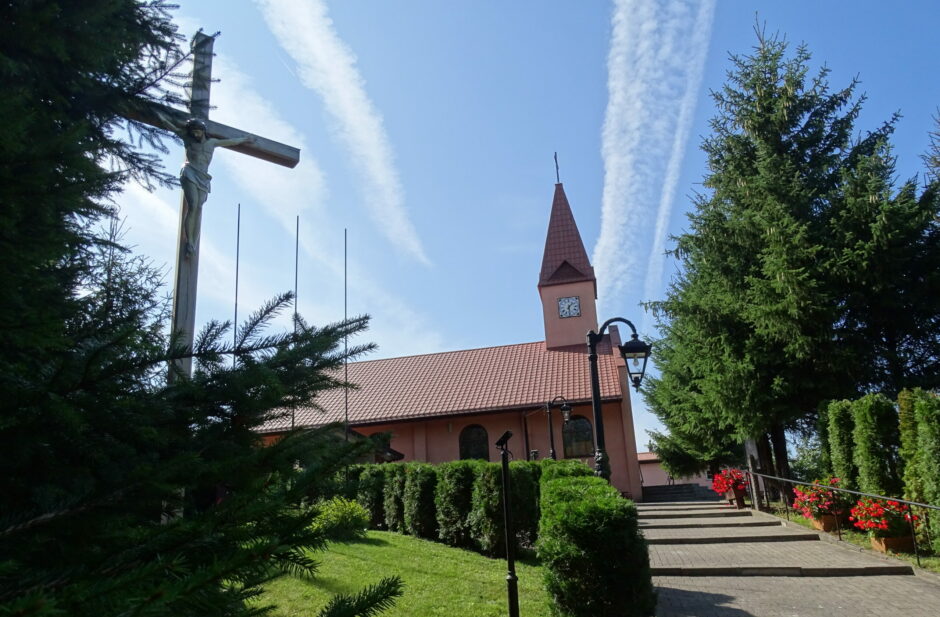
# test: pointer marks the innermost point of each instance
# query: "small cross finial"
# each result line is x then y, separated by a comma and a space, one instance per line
557, 176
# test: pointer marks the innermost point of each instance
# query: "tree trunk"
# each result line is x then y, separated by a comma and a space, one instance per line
778, 438
765, 462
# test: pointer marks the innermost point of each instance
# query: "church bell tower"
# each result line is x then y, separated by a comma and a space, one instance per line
566, 283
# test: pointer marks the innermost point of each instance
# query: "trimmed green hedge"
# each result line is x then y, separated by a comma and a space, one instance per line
453, 499
524, 485
927, 413
371, 494
596, 560
419, 514
840, 443
552, 469
875, 437
486, 511
393, 497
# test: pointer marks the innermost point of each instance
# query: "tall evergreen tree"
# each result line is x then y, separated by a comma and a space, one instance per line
768, 317
121, 494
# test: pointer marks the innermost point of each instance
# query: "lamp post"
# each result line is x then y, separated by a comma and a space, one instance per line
635, 350
565, 413
512, 589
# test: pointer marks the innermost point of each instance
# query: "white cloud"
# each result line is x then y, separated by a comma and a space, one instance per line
655, 66
304, 29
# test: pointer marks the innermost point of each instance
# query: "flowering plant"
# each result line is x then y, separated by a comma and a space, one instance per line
815, 501
727, 480
882, 518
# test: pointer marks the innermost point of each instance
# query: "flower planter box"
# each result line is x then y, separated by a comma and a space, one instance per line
735, 497
902, 544
825, 522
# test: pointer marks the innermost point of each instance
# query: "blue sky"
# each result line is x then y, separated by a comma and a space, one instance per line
427, 130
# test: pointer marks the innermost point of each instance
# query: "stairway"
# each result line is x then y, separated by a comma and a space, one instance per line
677, 493
708, 558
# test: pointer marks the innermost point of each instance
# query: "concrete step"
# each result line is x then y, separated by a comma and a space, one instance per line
768, 559
885, 570
726, 535
691, 523
696, 514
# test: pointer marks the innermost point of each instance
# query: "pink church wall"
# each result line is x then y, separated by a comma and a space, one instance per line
438, 440
655, 475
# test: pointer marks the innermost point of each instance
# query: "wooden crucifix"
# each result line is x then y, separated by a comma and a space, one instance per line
200, 137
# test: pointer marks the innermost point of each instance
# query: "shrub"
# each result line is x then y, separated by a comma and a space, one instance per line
927, 413
596, 560
728, 480
486, 512
419, 515
524, 486
875, 439
453, 499
371, 494
815, 501
909, 452
883, 518
346, 481
552, 469
393, 497
342, 519
840, 442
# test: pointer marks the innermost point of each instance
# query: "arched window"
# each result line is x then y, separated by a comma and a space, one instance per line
578, 437
474, 443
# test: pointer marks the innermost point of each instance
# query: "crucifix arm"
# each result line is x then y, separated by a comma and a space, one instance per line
174, 120
235, 141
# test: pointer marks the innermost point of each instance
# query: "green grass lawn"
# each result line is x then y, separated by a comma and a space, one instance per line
860, 538
438, 580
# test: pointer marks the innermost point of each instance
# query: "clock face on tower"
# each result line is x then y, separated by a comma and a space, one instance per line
569, 307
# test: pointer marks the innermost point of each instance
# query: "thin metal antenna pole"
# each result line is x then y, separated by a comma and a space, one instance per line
293, 410
557, 174
238, 242
345, 343
296, 261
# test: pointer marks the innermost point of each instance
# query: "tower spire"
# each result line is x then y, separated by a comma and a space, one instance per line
557, 175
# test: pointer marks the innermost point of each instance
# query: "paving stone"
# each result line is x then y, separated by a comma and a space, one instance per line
709, 535
874, 596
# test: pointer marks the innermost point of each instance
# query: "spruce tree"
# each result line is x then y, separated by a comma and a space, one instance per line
122, 494
782, 301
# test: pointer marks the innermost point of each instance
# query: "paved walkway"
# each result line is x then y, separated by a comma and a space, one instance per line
709, 559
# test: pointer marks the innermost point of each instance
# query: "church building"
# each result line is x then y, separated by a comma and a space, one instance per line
454, 405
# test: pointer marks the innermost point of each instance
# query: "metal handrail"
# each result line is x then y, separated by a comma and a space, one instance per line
844, 490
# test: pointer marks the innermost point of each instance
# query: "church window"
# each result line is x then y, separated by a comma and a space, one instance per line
474, 443
578, 437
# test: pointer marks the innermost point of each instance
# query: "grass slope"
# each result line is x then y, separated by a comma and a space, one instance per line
439, 580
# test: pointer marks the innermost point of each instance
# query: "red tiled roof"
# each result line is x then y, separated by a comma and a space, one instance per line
564, 259
461, 382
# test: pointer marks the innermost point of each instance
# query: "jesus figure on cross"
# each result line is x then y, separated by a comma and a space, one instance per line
194, 176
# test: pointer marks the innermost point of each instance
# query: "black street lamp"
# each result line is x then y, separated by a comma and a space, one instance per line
565, 413
635, 350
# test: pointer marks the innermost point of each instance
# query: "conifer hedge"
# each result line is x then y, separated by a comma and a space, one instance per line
393, 497
486, 511
596, 560
524, 486
840, 443
875, 438
927, 414
420, 519
371, 494
453, 501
